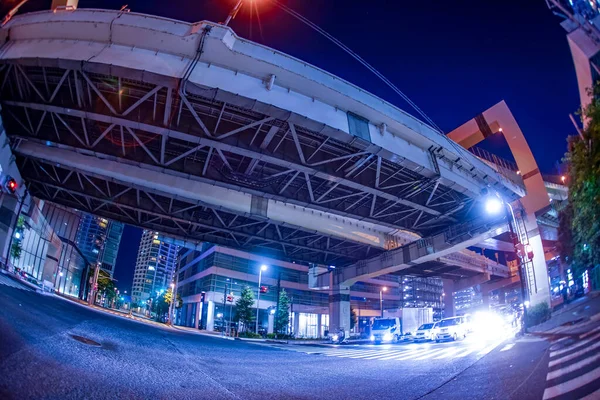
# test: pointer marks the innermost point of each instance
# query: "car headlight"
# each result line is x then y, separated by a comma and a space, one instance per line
372, 338
388, 336
334, 337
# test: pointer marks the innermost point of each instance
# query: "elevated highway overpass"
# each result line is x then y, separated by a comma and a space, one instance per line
193, 131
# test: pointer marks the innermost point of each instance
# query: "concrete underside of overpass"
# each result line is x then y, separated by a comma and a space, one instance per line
203, 149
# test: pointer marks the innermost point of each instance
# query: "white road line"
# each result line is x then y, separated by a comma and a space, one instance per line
590, 332
394, 356
384, 354
574, 355
489, 348
464, 353
508, 347
573, 346
592, 396
415, 354
573, 367
358, 354
571, 385
449, 352
430, 355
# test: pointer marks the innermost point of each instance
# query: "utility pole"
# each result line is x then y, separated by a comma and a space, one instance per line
233, 12
277, 307
225, 307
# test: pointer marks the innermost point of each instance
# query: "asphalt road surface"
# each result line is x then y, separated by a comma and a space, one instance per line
41, 358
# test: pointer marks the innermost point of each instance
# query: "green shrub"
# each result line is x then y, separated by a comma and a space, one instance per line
270, 336
538, 314
250, 335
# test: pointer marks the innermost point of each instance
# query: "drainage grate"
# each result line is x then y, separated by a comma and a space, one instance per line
85, 340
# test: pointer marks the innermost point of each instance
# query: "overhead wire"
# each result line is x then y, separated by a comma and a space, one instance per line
358, 58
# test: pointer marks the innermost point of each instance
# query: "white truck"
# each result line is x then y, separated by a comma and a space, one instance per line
386, 330
392, 329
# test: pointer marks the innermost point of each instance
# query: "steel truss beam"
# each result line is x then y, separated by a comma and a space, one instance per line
253, 151
148, 209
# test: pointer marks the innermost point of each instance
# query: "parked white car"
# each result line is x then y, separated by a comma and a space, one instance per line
450, 329
425, 332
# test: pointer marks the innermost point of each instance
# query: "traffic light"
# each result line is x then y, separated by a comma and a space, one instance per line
264, 289
230, 298
529, 251
10, 185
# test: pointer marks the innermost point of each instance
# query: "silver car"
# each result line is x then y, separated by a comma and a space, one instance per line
425, 332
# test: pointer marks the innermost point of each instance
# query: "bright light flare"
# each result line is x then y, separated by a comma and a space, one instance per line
493, 205
489, 325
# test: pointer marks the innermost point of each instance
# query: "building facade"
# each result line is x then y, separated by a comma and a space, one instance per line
99, 240
154, 268
207, 276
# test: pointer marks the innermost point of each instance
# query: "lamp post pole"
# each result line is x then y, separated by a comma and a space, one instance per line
233, 12
383, 289
262, 268
510, 216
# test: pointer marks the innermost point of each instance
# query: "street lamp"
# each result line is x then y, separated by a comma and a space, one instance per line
383, 289
493, 205
262, 268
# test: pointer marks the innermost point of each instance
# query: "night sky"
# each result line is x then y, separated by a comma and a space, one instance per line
454, 62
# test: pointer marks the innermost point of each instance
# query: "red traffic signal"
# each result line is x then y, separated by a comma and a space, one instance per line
10, 185
529, 251
264, 289
230, 298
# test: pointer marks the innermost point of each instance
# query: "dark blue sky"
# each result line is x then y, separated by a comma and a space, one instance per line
454, 62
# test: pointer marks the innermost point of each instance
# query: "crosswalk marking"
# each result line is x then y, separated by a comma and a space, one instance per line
574, 355
4, 280
573, 367
573, 384
573, 346
449, 352
574, 371
592, 396
593, 331
508, 347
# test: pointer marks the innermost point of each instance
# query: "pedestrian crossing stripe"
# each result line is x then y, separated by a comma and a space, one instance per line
4, 280
574, 371
414, 354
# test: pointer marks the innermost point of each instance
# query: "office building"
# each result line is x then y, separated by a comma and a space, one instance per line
99, 240
154, 268
208, 275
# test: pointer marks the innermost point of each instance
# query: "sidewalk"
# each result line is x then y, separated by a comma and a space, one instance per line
572, 320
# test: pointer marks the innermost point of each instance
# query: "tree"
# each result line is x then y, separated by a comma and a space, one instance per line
16, 246
282, 318
168, 298
583, 159
106, 285
353, 318
244, 307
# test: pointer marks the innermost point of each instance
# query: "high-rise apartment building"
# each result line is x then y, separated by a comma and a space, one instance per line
99, 239
154, 267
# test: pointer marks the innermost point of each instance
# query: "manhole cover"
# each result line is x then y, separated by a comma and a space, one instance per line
85, 340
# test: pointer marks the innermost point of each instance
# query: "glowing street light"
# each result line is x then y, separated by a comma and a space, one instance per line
493, 205
262, 268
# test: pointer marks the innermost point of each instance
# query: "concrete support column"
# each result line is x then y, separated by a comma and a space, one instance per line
296, 323
339, 309
210, 316
448, 286
271, 323
486, 299
540, 290
319, 327
501, 296
197, 315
